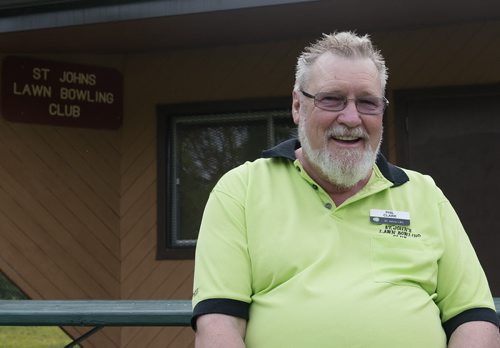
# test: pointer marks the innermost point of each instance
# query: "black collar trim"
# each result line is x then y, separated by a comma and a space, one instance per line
287, 149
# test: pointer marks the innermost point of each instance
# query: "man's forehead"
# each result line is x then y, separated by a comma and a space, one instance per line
330, 68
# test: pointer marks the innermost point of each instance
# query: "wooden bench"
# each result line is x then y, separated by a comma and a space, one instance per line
95, 313
101, 313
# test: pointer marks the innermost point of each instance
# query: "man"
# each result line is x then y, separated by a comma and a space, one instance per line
323, 243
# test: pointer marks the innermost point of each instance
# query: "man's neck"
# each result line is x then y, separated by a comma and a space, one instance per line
337, 193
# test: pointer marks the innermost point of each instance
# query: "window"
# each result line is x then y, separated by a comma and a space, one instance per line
197, 145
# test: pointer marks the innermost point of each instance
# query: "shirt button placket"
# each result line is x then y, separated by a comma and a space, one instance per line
327, 205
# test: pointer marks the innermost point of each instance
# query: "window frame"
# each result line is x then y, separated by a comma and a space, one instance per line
166, 115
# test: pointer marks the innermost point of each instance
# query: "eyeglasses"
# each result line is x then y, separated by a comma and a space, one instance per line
368, 105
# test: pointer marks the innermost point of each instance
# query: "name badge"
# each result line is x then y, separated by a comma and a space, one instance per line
389, 217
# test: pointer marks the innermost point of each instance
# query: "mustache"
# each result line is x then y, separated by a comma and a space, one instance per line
343, 131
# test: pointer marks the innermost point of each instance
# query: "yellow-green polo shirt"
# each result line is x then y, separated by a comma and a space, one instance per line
274, 249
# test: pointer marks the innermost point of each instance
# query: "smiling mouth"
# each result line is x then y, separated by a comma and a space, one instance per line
347, 136
346, 139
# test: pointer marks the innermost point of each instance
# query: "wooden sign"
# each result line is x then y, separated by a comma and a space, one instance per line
63, 94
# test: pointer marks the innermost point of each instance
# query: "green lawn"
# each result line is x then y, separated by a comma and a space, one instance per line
33, 337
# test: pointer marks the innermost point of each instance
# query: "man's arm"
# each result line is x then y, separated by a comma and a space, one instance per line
220, 331
475, 334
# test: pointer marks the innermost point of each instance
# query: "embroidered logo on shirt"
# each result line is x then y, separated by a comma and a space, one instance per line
399, 231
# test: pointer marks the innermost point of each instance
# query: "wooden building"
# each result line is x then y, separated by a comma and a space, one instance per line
83, 211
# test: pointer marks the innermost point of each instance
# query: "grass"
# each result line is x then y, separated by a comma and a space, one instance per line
33, 337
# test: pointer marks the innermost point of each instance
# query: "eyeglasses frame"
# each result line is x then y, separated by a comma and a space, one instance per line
313, 97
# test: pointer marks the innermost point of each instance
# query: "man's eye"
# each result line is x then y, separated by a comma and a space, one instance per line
332, 99
368, 102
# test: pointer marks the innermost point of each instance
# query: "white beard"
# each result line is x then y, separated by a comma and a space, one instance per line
344, 168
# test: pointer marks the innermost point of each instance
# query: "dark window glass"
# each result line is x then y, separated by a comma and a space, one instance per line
194, 152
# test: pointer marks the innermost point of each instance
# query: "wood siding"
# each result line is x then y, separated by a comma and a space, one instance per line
78, 206
59, 212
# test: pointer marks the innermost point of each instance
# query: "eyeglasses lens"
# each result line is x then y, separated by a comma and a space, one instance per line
365, 105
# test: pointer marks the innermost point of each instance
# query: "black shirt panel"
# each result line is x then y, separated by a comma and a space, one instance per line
226, 306
474, 314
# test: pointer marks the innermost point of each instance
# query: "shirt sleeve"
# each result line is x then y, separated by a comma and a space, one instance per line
463, 292
222, 277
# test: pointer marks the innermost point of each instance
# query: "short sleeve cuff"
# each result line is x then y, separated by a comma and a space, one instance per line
234, 308
474, 314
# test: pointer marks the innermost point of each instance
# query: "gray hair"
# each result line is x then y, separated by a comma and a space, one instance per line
344, 44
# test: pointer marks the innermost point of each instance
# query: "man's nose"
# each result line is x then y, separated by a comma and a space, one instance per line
350, 115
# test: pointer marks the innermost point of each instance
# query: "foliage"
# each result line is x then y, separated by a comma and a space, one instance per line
9, 291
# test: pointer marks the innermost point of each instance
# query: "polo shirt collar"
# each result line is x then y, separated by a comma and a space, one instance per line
287, 149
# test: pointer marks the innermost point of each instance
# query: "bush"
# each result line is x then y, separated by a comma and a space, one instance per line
9, 291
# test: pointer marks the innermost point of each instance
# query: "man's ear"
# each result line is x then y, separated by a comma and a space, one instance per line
296, 106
